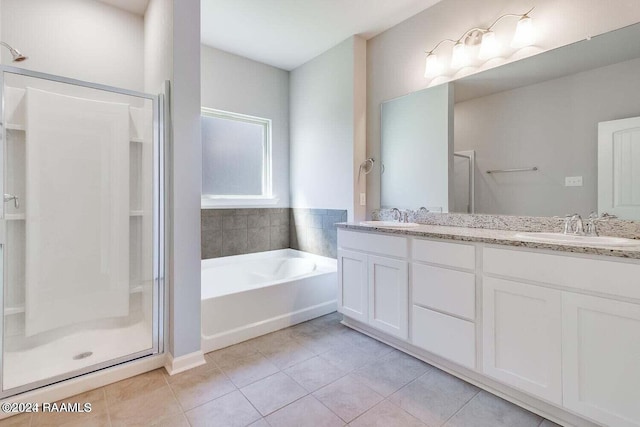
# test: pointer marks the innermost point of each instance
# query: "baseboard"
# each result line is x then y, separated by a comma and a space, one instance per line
253, 330
175, 365
83, 383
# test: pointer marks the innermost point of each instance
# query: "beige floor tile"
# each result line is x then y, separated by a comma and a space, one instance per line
272, 393
347, 357
390, 373
177, 420
304, 412
248, 369
434, 397
135, 386
233, 352
195, 387
386, 414
314, 373
348, 398
365, 343
145, 408
230, 410
318, 341
96, 417
287, 354
18, 420
487, 410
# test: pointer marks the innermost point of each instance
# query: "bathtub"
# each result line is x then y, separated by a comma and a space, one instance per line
245, 296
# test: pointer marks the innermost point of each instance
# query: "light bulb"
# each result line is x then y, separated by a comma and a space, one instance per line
459, 56
489, 47
432, 66
524, 35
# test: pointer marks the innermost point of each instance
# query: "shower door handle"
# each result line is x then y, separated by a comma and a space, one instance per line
16, 200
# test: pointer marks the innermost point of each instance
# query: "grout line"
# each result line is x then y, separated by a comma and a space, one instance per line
462, 407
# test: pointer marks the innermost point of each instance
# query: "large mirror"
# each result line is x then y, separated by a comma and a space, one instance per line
552, 134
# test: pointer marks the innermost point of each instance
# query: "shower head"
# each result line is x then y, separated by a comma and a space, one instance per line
17, 56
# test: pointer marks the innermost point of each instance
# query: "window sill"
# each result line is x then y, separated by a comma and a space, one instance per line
249, 202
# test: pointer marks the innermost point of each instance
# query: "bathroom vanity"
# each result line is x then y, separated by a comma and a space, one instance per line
554, 328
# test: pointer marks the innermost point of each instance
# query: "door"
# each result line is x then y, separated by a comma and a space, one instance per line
601, 359
352, 286
619, 168
80, 228
389, 296
522, 337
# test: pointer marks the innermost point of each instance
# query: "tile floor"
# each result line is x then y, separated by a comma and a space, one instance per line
318, 373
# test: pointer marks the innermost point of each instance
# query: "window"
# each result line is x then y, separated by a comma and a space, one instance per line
236, 159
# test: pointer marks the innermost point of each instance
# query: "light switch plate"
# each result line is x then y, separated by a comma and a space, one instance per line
573, 181
363, 199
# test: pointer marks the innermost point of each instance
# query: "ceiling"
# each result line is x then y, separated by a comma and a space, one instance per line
135, 6
288, 33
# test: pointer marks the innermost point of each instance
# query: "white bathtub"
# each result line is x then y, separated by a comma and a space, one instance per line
246, 296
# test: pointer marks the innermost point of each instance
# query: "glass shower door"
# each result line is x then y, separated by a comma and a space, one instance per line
80, 243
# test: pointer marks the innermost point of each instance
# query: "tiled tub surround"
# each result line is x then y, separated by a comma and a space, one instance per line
228, 232
614, 227
314, 230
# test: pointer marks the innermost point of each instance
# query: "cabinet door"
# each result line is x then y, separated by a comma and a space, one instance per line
522, 339
389, 296
352, 286
601, 359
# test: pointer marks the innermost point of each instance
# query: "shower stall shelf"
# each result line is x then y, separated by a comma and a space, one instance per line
80, 239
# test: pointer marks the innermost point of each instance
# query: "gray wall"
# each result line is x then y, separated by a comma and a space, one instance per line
552, 125
240, 85
228, 232
173, 29
326, 134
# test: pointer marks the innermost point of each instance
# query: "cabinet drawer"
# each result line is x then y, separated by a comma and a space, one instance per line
376, 243
610, 277
445, 290
449, 337
445, 253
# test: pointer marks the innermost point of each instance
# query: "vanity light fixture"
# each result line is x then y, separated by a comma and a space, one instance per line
486, 38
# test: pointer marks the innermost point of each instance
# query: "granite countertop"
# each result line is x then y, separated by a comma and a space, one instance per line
497, 237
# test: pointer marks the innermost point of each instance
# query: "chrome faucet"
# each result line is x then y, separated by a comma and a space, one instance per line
570, 228
396, 214
594, 220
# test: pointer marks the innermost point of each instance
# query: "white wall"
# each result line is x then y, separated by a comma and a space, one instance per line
325, 131
395, 58
552, 125
240, 85
81, 39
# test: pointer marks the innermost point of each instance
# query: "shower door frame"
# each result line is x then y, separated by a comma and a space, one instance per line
158, 287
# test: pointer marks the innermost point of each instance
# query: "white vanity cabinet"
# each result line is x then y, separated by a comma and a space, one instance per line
554, 331
353, 294
374, 283
444, 298
521, 336
601, 358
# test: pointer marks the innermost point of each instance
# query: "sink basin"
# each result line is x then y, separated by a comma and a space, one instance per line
390, 224
579, 240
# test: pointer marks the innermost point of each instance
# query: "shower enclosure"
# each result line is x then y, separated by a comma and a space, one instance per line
464, 181
81, 226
